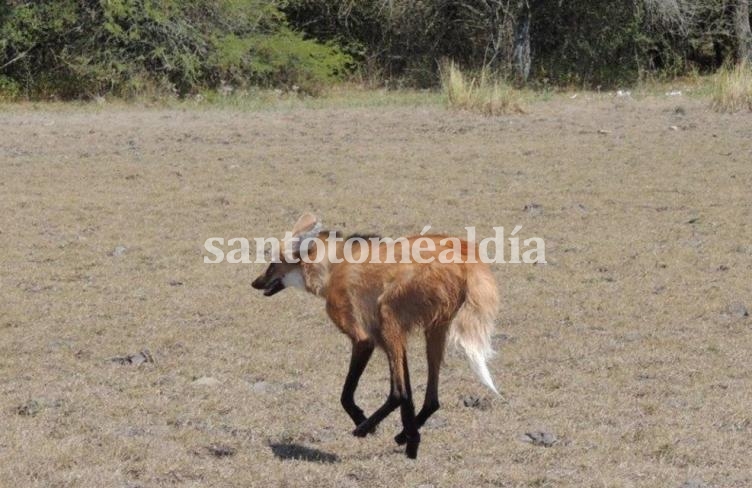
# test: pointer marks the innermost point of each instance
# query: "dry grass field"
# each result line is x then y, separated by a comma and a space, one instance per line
631, 346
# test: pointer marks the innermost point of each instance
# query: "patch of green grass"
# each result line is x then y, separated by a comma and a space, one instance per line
341, 97
254, 99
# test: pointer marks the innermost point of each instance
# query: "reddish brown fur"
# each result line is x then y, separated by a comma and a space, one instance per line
379, 304
421, 295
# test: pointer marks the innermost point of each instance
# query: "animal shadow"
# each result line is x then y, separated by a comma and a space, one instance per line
291, 450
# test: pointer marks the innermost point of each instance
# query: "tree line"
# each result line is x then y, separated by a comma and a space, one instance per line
84, 48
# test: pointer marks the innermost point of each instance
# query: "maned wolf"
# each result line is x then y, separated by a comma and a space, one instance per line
379, 303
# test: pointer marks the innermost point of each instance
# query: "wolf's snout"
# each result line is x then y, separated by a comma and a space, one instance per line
270, 286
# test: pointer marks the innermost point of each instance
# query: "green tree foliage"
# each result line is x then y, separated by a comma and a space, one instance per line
404, 40
79, 48
602, 42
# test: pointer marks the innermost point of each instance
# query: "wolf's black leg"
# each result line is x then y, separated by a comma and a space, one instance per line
361, 353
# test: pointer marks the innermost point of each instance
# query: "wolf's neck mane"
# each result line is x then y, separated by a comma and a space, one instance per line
316, 277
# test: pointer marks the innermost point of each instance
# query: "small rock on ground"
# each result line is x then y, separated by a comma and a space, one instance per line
533, 208
29, 409
435, 422
118, 251
221, 450
472, 401
540, 438
737, 309
135, 359
205, 381
263, 386
293, 385
693, 483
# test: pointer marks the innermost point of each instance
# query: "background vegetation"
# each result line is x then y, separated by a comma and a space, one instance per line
85, 48
88, 48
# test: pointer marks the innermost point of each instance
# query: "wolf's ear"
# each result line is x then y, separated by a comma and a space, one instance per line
307, 226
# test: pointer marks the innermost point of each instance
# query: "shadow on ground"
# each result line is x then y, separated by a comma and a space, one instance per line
303, 453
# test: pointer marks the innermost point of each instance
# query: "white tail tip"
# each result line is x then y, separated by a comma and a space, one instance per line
478, 363
485, 378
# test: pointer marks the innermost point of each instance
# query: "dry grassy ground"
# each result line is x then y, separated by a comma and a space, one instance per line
631, 345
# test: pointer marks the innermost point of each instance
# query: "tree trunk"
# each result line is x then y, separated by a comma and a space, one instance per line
521, 55
497, 51
742, 32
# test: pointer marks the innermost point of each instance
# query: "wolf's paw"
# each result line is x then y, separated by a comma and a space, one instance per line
412, 446
363, 430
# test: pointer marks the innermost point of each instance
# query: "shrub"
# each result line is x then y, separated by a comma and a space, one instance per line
732, 88
9, 89
85, 48
485, 94
282, 59
606, 42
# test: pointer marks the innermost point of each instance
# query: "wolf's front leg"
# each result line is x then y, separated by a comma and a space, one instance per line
361, 354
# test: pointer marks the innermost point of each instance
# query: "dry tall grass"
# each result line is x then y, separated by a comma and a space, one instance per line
485, 94
732, 88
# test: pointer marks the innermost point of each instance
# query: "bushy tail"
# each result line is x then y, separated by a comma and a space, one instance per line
473, 325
